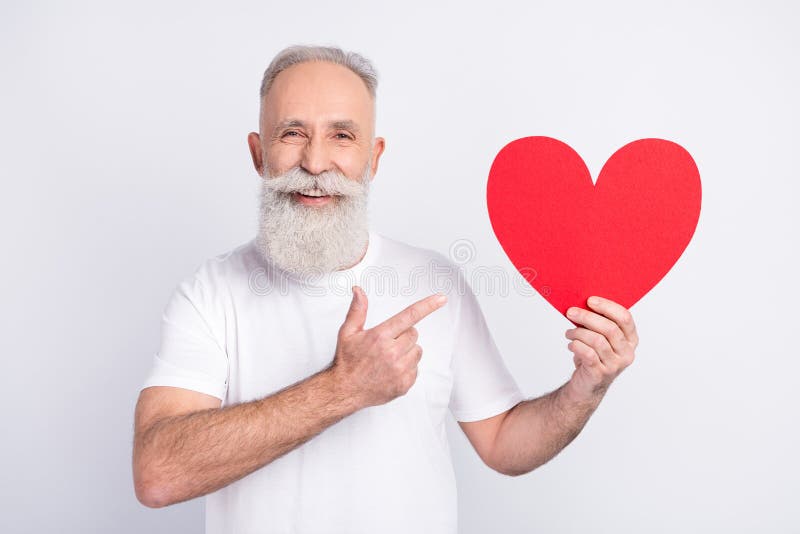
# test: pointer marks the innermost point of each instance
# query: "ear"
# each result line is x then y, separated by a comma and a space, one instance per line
377, 149
254, 142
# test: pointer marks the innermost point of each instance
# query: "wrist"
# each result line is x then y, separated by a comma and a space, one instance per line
575, 393
341, 394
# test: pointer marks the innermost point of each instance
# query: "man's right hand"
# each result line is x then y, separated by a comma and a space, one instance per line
377, 365
187, 445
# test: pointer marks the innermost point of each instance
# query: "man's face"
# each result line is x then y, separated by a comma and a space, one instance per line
317, 155
320, 117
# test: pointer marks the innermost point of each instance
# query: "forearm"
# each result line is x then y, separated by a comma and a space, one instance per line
534, 431
186, 456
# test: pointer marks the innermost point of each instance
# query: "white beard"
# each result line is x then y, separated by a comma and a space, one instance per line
310, 240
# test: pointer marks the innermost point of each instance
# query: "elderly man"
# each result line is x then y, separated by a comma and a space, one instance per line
298, 407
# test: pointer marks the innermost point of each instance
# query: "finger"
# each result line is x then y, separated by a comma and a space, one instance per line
357, 313
412, 357
584, 354
617, 313
411, 315
409, 378
407, 339
592, 339
602, 325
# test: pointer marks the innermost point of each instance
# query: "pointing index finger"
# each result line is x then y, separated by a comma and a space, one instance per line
405, 319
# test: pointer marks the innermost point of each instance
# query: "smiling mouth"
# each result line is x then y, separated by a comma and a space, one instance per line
313, 193
311, 197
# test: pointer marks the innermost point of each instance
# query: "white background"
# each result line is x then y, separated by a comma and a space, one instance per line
124, 165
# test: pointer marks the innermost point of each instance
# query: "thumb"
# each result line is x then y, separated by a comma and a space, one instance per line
357, 314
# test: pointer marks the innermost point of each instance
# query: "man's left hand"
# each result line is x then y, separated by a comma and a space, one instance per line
602, 345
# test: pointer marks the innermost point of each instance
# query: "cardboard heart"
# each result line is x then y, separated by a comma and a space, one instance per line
571, 239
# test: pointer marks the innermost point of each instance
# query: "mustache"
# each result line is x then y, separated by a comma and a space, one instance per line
329, 182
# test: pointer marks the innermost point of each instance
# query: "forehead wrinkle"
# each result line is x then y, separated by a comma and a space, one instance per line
333, 90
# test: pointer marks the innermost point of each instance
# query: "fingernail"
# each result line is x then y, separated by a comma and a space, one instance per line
594, 301
572, 312
440, 299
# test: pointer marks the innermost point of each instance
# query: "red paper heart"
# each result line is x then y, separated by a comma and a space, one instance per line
571, 239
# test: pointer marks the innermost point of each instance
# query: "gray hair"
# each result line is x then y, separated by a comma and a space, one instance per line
296, 54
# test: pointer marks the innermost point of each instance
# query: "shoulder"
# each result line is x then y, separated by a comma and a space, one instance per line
219, 273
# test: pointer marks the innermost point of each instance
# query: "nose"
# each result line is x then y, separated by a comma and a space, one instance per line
316, 158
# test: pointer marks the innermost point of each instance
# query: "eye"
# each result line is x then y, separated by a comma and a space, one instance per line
344, 136
291, 133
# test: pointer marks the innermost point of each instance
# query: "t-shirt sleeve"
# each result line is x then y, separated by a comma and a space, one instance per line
190, 355
482, 385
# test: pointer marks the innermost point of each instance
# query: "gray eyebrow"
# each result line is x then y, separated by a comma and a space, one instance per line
290, 123
346, 124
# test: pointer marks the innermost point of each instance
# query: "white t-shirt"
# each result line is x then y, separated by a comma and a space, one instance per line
240, 329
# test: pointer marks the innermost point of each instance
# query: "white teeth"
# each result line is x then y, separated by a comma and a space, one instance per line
312, 193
